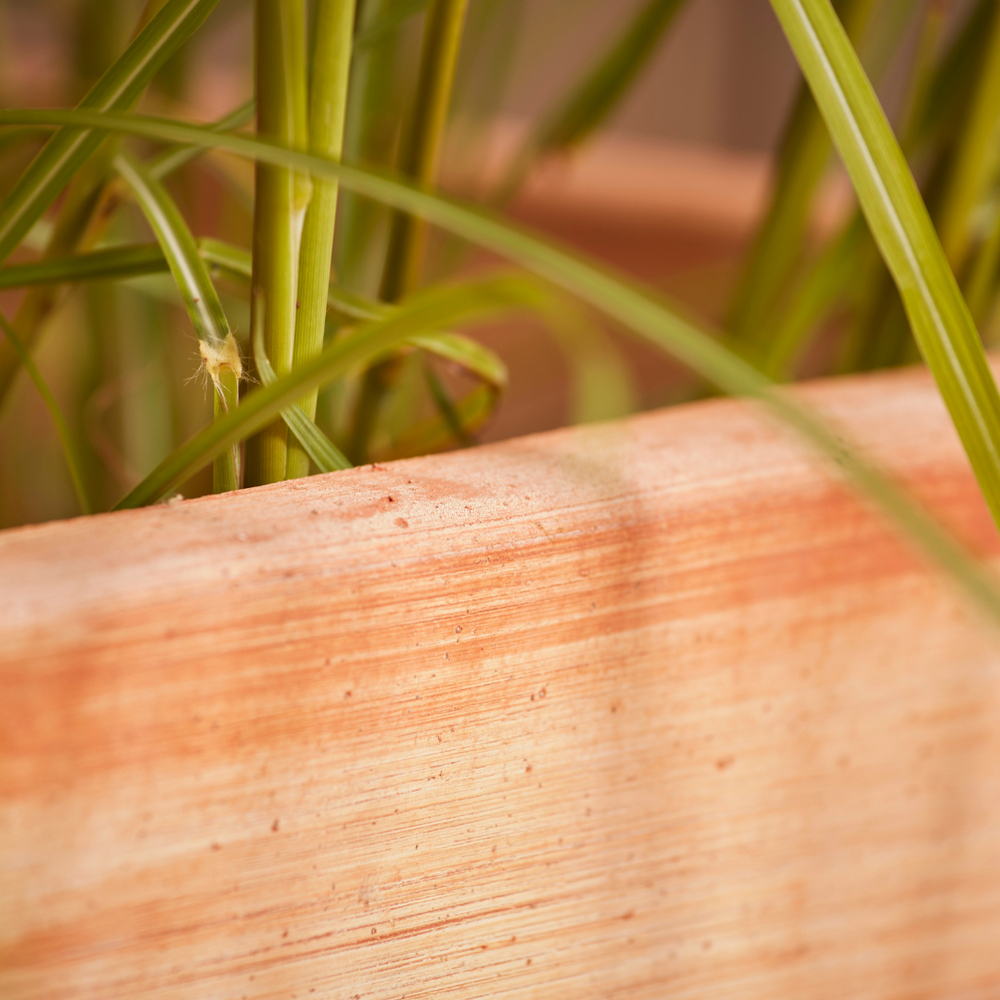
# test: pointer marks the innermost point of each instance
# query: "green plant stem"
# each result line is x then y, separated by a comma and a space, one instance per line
474, 299
423, 138
327, 107
418, 158
777, 247
219, 351
65, 438
282, 196
939, 87
976, 157
375, 107
815, 295
386, 23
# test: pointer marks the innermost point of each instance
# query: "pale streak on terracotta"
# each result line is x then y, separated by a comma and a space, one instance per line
639, 710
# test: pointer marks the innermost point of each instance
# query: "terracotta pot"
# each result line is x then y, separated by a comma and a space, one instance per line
653, 708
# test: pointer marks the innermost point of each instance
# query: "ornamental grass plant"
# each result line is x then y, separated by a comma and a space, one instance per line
329, 291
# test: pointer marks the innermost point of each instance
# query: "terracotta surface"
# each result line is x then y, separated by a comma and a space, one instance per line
638, 710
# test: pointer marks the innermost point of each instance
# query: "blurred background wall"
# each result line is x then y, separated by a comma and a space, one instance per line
725, 75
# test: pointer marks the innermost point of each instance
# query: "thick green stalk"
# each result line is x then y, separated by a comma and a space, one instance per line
282, 197
418, 159
327, 107
422, 142
375, 107
778, 244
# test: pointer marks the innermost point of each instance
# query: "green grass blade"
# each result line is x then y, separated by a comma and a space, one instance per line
456, 426
464, 351
114, 263
590, 102
281, 198
65, 438
948, 94
475, 299
638, 309
777, 246
422, 140
940, 91
333, 26
117, 89
976, 158
377, 98
219, 351
387, 23
320, 449
818, 291
902, 229
180, 251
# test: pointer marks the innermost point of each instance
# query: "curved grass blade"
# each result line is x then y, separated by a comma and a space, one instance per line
467, 353
181, 253
220, 353
640, 310
446, 408
65, 438
474, 299
464, 419
594, 97
903, 231
325, 455
117, 89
